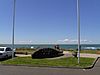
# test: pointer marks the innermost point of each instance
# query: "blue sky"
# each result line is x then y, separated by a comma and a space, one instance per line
50, 21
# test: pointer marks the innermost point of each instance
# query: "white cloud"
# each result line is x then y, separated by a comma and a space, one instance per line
25, 42
73, 41
65, 40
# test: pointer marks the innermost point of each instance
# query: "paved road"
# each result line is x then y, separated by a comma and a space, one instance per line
22, 70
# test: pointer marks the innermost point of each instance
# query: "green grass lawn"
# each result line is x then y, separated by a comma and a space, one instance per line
64, 62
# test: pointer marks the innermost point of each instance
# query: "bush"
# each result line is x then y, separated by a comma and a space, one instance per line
46, 53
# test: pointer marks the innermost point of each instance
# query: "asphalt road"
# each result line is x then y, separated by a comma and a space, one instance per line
23, 70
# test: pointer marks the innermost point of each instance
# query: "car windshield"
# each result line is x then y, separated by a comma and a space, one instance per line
1, 49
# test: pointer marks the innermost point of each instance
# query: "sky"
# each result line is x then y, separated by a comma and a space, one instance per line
50, 21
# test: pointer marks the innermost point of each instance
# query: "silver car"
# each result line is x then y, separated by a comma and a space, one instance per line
5, 52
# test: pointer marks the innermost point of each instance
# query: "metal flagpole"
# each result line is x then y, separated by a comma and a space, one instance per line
13, 30
78, 24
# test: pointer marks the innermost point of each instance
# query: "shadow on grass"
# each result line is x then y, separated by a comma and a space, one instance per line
43, 57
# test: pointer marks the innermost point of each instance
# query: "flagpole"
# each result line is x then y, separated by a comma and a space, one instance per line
13, 30
78, 25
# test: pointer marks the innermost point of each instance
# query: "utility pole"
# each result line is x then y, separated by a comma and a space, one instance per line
13, 27
78, 30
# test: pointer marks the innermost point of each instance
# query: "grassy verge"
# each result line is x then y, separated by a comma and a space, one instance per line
88, 51
91, 51
64, 62
24, 50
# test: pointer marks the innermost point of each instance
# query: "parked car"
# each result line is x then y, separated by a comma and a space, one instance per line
5, 52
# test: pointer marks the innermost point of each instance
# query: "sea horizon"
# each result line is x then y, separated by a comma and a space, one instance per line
63, 46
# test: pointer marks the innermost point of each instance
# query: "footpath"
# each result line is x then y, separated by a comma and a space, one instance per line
98, 63
66, 53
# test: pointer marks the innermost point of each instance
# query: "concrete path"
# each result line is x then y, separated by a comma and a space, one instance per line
23, 55
89, 55
97, 63
67, 53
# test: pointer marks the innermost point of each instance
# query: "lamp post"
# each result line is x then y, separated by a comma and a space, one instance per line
13, 27
78, 30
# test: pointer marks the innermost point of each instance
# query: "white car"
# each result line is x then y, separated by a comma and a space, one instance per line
5, 52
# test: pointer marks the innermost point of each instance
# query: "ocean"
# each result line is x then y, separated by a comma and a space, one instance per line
63, 46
